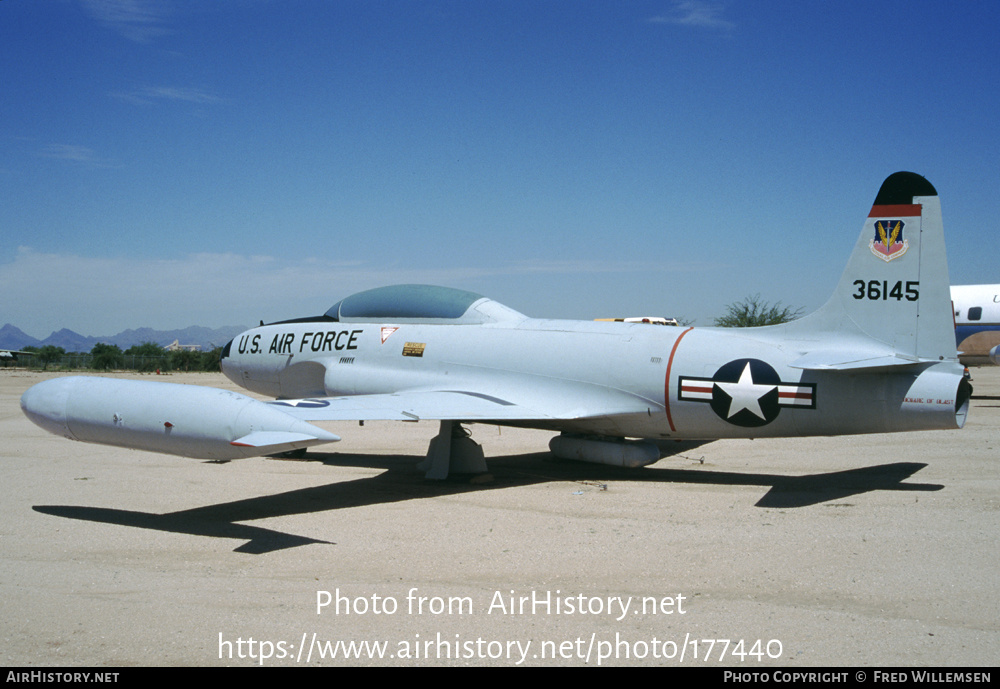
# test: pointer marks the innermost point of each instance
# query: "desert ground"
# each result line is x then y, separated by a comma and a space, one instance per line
855, 551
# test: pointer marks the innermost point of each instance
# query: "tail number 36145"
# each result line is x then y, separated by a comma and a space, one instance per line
880, 290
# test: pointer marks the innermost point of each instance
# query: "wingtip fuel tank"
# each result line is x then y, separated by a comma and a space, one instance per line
186, 420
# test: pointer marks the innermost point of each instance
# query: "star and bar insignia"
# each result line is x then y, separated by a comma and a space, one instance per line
747, 392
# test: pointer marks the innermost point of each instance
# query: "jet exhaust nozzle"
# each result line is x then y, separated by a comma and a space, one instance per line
937, 399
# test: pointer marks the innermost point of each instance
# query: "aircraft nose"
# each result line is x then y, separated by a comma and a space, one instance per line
229, 366
225, 355
45, 404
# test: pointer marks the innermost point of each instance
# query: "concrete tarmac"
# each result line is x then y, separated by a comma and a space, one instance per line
856, 551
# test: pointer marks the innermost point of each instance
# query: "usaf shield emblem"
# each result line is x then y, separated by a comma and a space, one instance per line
888, 242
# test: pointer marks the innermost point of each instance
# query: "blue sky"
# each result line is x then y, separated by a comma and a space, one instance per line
174, 163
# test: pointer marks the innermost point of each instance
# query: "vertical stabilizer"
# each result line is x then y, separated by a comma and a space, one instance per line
895, 289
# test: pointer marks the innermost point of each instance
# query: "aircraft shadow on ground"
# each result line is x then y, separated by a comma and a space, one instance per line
400, 481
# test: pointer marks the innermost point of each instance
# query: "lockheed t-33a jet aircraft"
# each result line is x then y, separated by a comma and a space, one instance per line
878, 357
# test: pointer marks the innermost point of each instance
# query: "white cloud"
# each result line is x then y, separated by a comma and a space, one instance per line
695, 13
148, 94
137, 20
80, 154
75, 154
182, 94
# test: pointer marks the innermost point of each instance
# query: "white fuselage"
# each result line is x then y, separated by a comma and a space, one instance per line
605, 378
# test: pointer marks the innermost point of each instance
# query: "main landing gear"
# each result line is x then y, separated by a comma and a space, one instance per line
453, 451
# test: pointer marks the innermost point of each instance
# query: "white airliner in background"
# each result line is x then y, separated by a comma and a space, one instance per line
977, 322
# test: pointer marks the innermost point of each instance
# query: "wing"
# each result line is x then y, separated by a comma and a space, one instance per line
469, 405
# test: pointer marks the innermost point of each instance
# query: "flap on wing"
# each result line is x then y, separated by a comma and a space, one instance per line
538, 404
455, 405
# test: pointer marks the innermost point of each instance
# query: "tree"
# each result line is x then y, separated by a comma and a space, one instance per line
752, 312
183, 359
104, 357
145, 349
49, 354
210, 359
147, 356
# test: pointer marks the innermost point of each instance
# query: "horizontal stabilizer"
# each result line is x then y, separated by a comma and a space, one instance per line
850, 361
263, 439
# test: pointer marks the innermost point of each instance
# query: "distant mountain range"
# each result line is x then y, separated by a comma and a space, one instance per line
12, 337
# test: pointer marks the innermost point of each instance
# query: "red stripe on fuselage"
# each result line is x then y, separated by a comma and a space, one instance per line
666, 382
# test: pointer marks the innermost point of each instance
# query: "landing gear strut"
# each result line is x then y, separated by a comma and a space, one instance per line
453, 451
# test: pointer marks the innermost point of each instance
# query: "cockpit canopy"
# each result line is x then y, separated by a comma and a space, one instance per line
420, 304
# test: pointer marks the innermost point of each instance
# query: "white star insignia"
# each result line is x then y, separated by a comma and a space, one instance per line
745, 394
